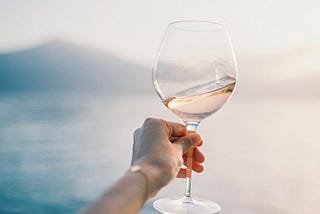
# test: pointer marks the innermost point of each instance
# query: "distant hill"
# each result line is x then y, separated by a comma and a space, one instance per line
60, 66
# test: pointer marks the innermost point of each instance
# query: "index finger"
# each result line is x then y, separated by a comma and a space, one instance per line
176, 129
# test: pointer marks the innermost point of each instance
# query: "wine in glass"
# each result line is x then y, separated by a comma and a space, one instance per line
194, 75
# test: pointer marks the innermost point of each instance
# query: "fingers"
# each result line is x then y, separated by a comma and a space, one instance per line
182, 173
176, 129
197, 167
189, 142
198, 156
171, 128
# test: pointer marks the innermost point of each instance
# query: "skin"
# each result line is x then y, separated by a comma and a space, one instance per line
160, 148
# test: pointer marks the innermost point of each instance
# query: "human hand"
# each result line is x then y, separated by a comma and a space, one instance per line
160, 148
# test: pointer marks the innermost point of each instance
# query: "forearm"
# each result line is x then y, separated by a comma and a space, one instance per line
126, 196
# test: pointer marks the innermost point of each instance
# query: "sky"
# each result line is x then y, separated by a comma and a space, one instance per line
133, 29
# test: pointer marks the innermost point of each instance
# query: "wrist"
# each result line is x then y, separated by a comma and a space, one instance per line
159, 173
150, 176
146, 183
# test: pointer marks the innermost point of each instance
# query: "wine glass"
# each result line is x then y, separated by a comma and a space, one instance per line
194, 75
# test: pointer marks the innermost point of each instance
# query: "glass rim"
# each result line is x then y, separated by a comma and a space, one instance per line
179, 26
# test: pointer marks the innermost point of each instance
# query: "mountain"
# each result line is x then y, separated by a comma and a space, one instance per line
61, 66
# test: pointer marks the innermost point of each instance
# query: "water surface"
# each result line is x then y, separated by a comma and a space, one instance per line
59, 152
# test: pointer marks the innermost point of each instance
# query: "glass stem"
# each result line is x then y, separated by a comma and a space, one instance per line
191, 127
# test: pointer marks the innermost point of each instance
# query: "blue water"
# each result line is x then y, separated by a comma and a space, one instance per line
59, 152
35, 174
43, 153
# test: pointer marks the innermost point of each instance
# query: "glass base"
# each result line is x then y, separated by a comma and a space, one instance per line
178, 205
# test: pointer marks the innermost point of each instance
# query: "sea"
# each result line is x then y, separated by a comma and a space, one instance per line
60, 151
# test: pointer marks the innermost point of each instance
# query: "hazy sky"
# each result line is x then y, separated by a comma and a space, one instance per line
133, 28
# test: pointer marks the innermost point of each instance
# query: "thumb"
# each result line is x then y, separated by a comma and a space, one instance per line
189, 142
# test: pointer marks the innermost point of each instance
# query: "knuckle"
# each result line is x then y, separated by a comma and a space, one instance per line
136, 132
149, 121
154, 122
